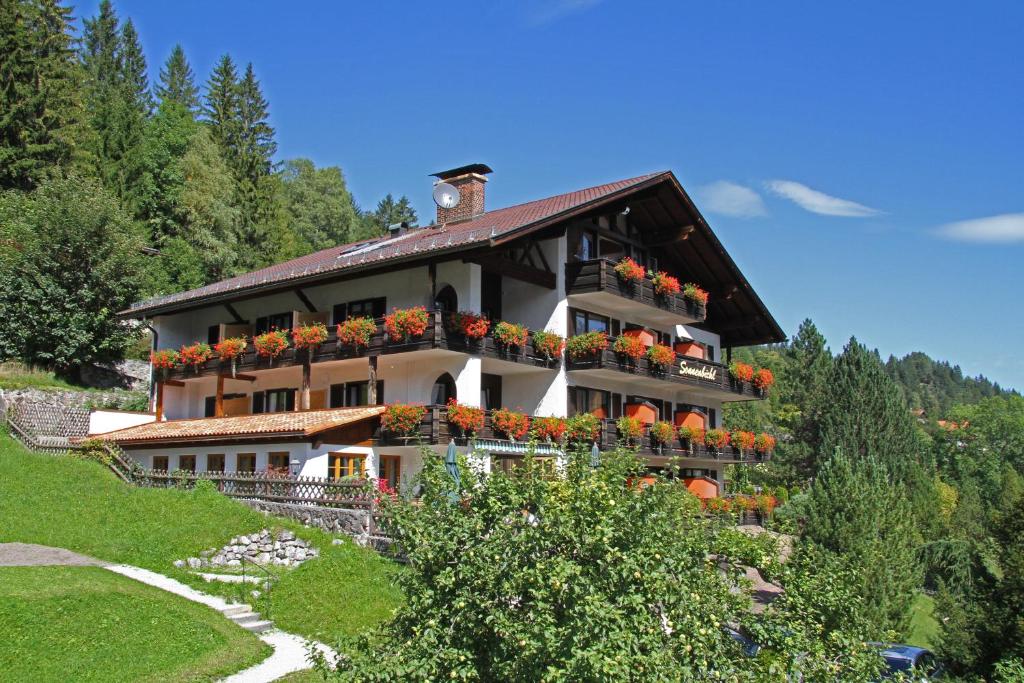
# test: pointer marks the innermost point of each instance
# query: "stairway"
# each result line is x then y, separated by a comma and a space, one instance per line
247, 619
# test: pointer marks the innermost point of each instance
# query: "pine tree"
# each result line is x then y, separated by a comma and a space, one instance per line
40, 113
808, 364
388, 213
177, 82
221, 109
256, 146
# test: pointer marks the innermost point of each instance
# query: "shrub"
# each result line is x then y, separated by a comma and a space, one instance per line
511, 334
356, 332
695, 435
717, 506
586, 345
716, 438
472, 325
695, 294
764, 443
661, 355
549, 428
402, 419
764, 379
548, 344
630, 428
663, 432
630, 346
742, 439
466, 418
309, 336
665, 284
271, 344
583, 428
629, 270
512, 424
164, 359
403, 324
741, 372
195, 354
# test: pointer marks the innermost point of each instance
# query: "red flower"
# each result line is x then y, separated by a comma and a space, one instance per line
271, 344
356, 332
663, 432
742, 439
309, 336
716, 438
402, 419
764, 443
511, 334
230, 348
549, 428
195, 354
470, 324
510, 423
466, 418
764, 379
695, 294
548, 344
661, 355
586, 344
165, 359
630, 346
630, 428
694, 435
741, 371
665, 284
403, 324
629, 270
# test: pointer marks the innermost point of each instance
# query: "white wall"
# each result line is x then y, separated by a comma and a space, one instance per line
101, 421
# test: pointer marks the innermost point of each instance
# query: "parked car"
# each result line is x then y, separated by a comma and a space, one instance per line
906, 658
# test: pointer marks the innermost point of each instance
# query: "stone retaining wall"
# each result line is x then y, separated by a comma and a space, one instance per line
355, 523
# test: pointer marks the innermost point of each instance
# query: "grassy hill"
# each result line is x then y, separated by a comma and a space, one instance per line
81, 506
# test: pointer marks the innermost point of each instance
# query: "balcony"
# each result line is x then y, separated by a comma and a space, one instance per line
648, 447
700, 377
436, 338
595, 282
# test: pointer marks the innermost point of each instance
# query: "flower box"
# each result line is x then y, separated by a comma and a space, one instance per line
643, 411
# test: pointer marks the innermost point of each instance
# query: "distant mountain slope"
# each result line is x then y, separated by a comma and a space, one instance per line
936, 386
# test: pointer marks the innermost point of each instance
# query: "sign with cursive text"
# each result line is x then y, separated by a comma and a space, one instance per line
705, 372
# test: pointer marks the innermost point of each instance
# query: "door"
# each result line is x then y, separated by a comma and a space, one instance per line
490, 295
389, 471
490, 391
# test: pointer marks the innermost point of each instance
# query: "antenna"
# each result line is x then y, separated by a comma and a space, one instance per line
446, 196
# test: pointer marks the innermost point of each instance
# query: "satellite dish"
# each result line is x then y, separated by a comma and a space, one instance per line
446, 196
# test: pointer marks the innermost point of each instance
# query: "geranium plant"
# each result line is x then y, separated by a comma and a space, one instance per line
403, 324
741, 372
402, 419
511, 334
309, 336
661, 355
549, 428
716, 438
694, 293
719, 506
586, 345
469, 419
194, 355
629, 270
665, 284
742, 439
630, 428
694, 435
764, 443
230, 349
472, 325
356, 332
583, 428
271, 344
630, 346
548, 344
511, 423
663, 432
163, 360
764, 379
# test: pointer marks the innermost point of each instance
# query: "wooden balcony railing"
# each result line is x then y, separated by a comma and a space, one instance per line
678, 448
598, 275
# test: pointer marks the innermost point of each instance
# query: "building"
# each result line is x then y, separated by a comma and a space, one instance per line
547, 264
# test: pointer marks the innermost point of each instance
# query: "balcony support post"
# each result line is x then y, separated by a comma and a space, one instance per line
371, 376
218, 409
306, 372
159, 401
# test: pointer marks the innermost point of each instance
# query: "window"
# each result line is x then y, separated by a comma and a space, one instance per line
210, 403
710, 350
586, 248
490, 391
390, 470
273, 401
444, 389
213, 334
610, 249
215, 462
585, 321
373, 308
246, 462
187, 463
160, 462
277, 461
351, 394
509, 464
339, 466
593, 401
447, 300
278, 321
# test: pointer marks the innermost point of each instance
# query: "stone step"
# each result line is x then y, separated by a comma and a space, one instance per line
245, 617
234, 609
258, 626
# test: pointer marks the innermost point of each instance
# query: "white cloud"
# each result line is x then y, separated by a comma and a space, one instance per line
550, 11
1007, 227
730, 199
818, 202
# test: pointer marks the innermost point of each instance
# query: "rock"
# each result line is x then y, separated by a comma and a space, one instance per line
207, 553
233, 563
263, 558
179, 563
337, 541
287, 536
300, 555
243, 540
194, 563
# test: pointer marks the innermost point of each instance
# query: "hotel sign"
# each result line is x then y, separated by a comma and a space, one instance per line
703, 372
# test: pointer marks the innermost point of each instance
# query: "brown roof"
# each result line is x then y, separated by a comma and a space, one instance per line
290, 424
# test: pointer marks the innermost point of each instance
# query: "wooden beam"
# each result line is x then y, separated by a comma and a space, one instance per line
218, 409
670, 235
242, 377
234, 315
516, 271
174, 383
305, 300
432, 276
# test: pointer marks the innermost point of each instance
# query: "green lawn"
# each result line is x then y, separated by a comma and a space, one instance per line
89, 624
924, 627
18, 376
81, 506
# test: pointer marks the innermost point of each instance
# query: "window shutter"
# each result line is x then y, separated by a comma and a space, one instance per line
213, 334
337, 395
258, 402
339, 313
572, 406
380, 392
616, 406
380, 307
210, 406
290, 401
712, 417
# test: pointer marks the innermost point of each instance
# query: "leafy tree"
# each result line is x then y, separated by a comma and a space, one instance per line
319, 205
804, 388
69, 261
177, 82
389, 212
40, 111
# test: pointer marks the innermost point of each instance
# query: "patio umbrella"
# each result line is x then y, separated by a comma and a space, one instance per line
595, 456
451, 464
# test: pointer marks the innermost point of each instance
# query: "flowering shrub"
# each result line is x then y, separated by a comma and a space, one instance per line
765, 504
741, 372
549, 428
629, 270
403, 324
744, 503
665, 284
512, 424
230, 348
742, 440
694, 435
630, 346
695, 294
164, 359
309, 336
195, 354
661, 355
630, 428
764, 379
384, 488
271, 344
586, 344
472, 325
764, 443
401, 419
511, 334
548, 344
356, 332
466, 418
583, 428
718, 506
663, 432
716, 438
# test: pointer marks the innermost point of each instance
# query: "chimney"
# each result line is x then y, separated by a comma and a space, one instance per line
469, 181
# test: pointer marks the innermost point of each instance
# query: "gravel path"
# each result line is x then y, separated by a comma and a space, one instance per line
32, 555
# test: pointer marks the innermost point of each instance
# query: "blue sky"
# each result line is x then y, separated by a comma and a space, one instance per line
846, 153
